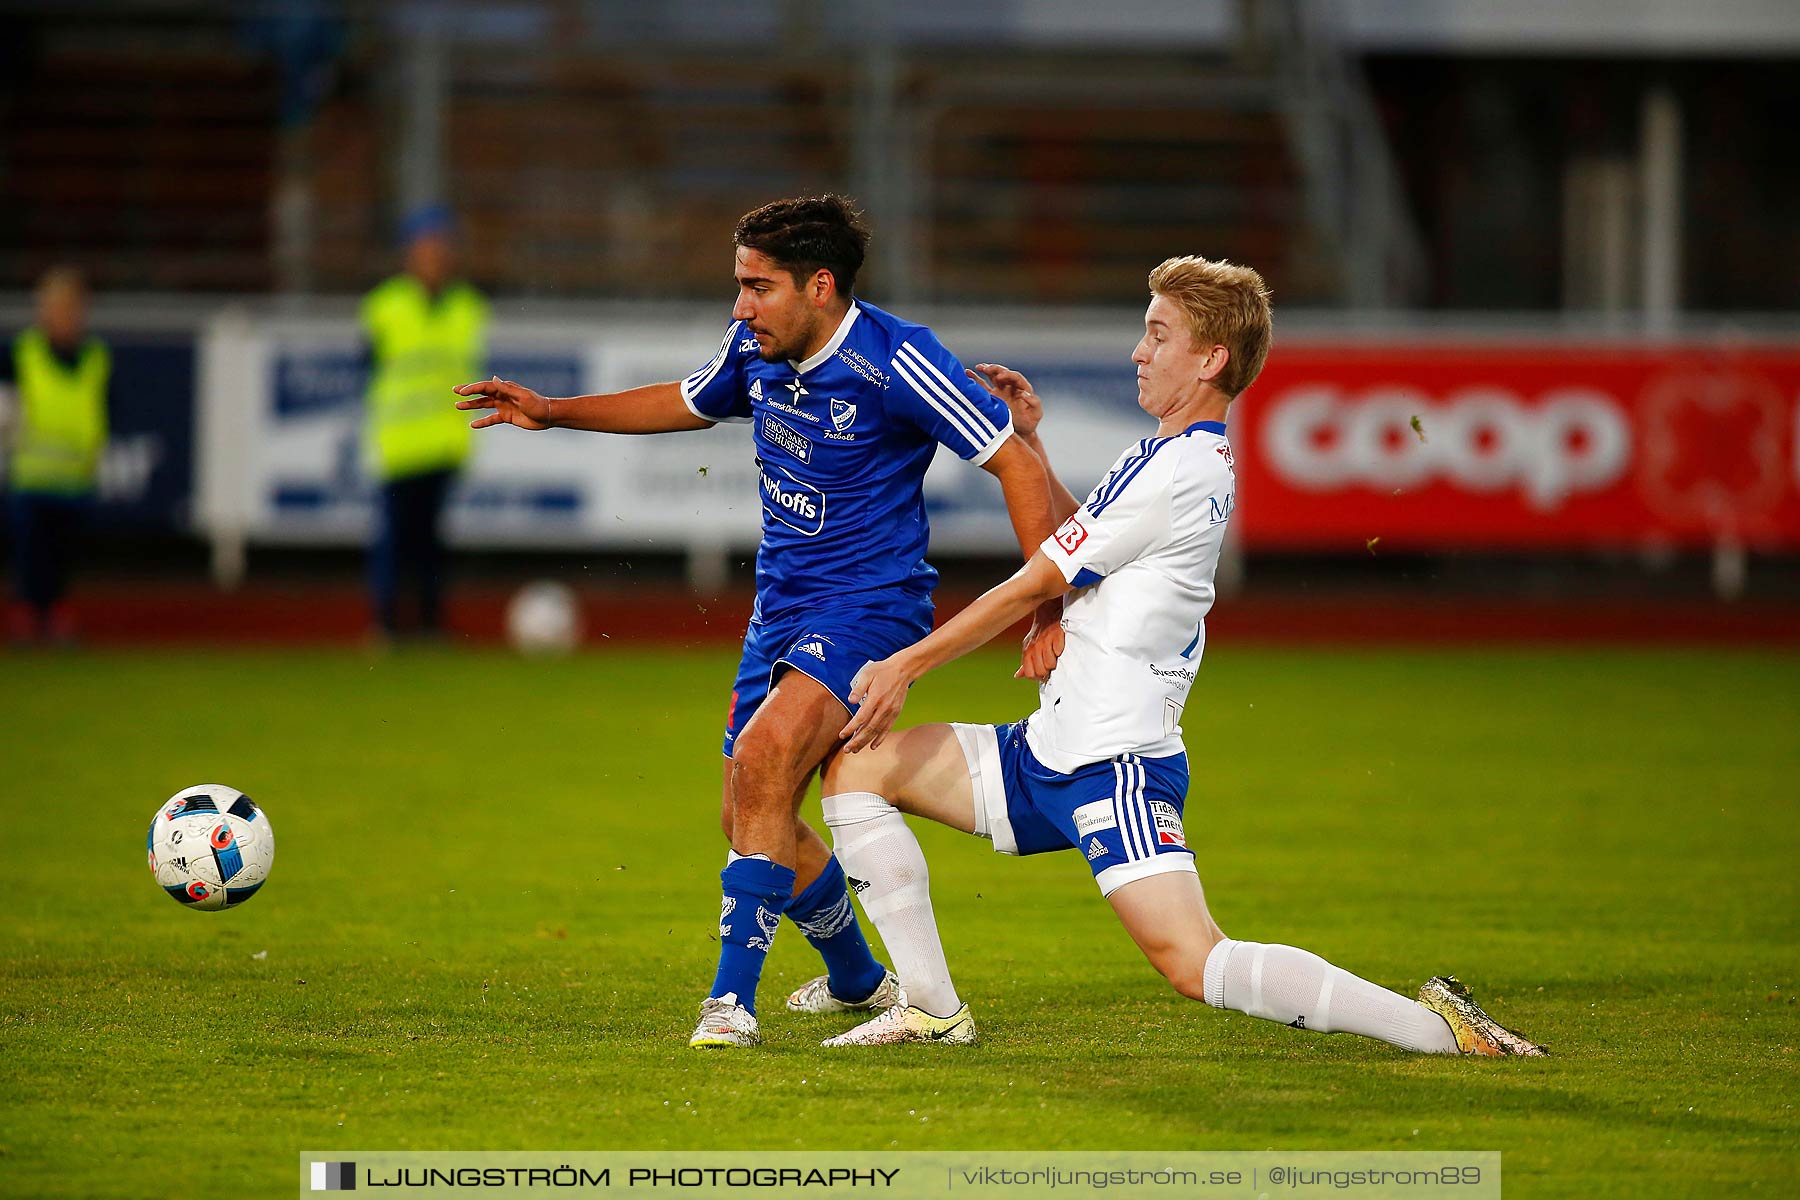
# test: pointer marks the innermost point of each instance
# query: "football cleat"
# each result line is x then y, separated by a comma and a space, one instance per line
814, 996
903, 1023
724, 1022
1476, 1032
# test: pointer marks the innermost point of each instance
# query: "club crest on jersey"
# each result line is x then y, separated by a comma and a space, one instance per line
843, 415
1070, 535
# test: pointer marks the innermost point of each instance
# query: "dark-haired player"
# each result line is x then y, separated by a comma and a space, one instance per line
847, 404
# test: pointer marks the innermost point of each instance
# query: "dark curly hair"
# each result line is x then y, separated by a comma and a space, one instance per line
807, 234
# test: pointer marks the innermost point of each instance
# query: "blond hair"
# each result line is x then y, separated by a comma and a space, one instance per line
1225, 305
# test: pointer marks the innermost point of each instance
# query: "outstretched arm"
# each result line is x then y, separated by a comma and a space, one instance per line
1027, 412
653, 408
1028, 502
880, 687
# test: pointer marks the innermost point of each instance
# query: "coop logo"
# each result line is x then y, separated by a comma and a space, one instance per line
334, 1177
797, 505
1485, 439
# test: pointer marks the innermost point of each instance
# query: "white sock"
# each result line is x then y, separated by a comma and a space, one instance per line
888, 874
1297, 987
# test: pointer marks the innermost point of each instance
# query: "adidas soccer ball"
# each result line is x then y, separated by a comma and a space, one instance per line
210, 847
543, 618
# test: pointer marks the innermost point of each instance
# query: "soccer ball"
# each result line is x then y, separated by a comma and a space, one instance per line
210, 847
543, 618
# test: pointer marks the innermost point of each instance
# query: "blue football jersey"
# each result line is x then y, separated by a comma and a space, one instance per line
842, 444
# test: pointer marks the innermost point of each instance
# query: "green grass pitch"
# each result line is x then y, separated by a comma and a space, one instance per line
492, 915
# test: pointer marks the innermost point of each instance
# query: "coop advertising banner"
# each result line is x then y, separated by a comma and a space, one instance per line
1520, 446
1388, 445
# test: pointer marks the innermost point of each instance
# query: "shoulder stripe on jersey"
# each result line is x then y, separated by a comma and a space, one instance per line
1124, 475
1105, 488
950, 404
941, 394
950, 390
956, 421
955, 394
696, 383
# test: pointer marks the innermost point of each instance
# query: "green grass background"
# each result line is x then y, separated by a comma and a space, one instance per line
492, 913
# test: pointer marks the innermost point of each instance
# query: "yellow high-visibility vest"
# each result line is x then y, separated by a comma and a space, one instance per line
62, 416
423, 346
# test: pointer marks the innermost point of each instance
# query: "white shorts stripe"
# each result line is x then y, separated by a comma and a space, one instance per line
1124, 825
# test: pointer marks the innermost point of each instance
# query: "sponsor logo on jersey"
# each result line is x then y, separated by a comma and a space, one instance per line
862, 366
1224, 452
1096, 849
1070, 535
1185, 674
1090, 818
756, 389
1168, 824
779, 433
797, 505
747, 344
843, 415
1219, 511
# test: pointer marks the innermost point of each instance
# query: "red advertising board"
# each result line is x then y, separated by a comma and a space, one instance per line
1520, 445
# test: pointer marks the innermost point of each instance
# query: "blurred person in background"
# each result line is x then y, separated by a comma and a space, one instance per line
55, 381
426, 332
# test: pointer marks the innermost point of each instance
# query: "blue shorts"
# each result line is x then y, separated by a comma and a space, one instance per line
1124, 814
830, 645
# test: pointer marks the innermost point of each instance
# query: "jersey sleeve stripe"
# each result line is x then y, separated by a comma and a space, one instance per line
959, 423
1124, 478
696, 383
947, 390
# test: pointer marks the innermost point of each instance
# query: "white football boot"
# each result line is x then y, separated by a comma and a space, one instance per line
724, 1022
814, 996
903, 1023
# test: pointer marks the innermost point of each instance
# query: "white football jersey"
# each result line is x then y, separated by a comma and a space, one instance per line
1140, 552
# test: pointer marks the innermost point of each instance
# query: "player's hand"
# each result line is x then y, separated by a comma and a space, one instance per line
513, 404
1044, 644
879, 690
1015, 390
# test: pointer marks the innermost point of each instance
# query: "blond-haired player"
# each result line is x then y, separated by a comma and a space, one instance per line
1100, 767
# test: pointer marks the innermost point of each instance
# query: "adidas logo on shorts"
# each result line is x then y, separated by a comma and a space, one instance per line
1095, 849
814, 649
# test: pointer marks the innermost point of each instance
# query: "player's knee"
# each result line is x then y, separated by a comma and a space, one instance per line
1187, 976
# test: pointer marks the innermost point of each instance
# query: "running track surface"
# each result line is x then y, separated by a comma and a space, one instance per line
325, 614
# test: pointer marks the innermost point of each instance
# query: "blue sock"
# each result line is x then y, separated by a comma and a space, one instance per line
756, 892
824, 914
